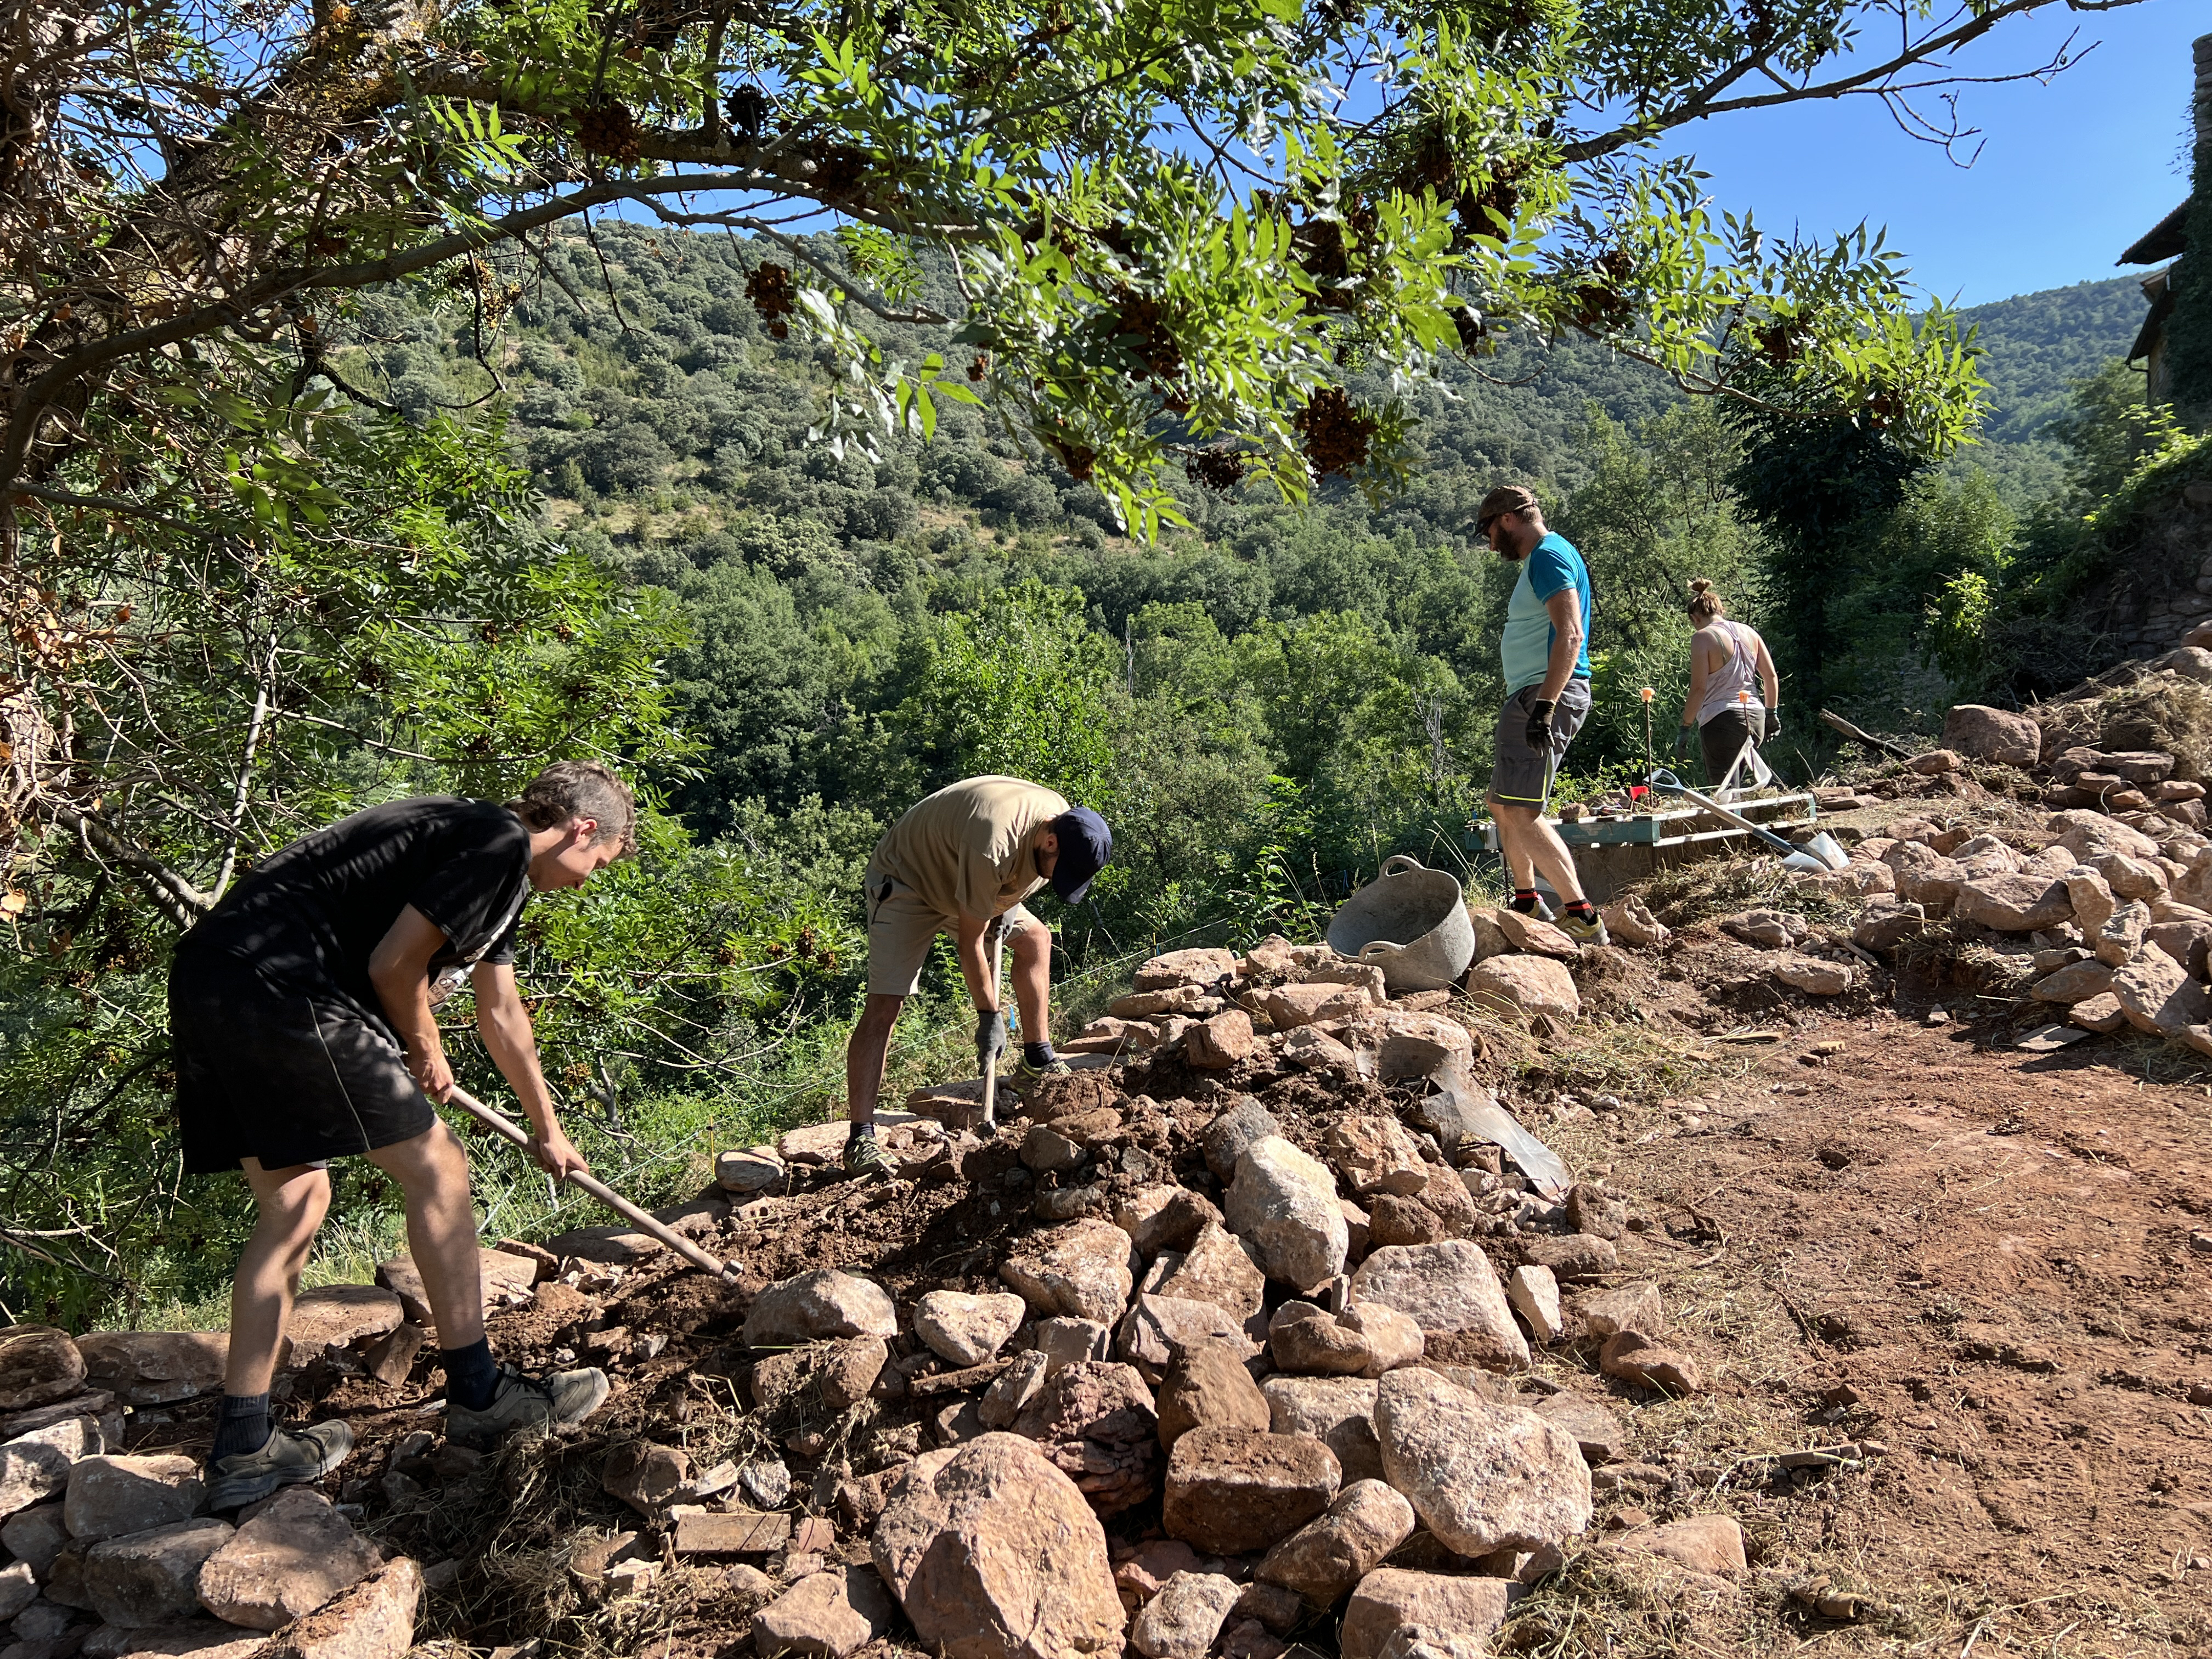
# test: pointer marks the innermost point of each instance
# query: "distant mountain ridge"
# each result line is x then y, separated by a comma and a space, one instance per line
2034, 344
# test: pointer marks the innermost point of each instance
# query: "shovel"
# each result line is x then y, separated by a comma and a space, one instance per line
988, 1064
599, 1189
1819, 855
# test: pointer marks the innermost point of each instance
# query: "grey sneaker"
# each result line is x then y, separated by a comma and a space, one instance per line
527, 1402
864, 1159
284, 1460
1583, 933
1054, 1067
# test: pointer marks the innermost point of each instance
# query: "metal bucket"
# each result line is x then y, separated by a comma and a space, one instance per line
1412, 922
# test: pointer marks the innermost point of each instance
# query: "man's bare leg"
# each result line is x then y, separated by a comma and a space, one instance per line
1032, 951
289, 1206
1527, 841
865, 1054
433, 1173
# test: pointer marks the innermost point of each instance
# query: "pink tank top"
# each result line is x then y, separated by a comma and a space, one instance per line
1735, 683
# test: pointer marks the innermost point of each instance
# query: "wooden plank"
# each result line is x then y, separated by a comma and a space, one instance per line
741, 1532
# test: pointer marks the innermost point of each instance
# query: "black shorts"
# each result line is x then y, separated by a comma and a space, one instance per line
285, 1072
1722, 738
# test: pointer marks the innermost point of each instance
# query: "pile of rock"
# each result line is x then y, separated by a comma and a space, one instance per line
1304, 1348
110, 1554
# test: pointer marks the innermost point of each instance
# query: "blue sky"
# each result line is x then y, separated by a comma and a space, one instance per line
2071, 172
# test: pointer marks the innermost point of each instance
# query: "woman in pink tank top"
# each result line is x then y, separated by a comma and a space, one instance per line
1730, 665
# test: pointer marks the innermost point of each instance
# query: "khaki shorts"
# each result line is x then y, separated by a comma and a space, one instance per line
901, 929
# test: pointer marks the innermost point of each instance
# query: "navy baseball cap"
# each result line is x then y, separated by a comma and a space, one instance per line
1086, 844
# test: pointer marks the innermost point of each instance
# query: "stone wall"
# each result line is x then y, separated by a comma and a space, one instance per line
2164, 587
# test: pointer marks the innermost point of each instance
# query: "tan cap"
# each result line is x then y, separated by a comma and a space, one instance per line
1506, 498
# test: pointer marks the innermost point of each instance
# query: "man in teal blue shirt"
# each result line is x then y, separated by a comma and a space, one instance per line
1546, 655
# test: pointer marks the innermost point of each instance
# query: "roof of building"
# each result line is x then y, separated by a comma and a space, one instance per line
2164, 240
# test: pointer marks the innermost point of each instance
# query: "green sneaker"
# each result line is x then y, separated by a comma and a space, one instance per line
1583, 933
284, 1460
864, 1159
527, 1402
1054, 1067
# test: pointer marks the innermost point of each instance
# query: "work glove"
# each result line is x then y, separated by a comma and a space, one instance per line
1539, 726
1773, 726
1681, 741
990, 1036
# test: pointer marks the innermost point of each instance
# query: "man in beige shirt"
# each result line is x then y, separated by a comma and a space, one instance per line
961, 862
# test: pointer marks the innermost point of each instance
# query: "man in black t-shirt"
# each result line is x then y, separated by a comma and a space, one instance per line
303, 1015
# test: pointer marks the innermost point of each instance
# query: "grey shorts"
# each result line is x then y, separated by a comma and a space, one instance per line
1519, 777
901, 928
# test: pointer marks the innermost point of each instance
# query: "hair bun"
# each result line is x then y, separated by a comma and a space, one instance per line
1699, 585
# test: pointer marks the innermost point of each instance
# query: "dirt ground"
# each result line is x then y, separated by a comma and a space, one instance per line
1985, 1275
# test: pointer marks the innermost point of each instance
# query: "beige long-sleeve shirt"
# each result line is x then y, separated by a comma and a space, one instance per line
969, 849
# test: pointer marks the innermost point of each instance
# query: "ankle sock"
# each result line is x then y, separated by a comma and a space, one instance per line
864, 1131
471, 1375
242, 1425
1038, 1053
1582, 911
1524, 900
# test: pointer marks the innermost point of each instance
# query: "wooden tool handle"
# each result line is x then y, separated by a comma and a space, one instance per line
599, 1189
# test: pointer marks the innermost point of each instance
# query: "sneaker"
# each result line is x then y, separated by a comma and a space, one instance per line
1054, 1067
284, 1460
1542, 912
527, 1402
1583, 933
864, 1159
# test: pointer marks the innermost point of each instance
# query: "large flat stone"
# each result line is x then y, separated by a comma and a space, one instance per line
504, 1276
1232, 1490
1448, 1288
1388, 1600
291, 1558
151, 1578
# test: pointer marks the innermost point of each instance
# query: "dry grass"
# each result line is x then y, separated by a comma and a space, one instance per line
1691, 893
2166, 713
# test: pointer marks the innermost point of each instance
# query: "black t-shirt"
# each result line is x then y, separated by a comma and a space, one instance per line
322, 906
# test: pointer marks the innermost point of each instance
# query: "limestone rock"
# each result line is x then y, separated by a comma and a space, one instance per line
1291, 1005
1209, 1388
1164, 1217
110, 1495
994, 1555
1221, 1041
1482, 1476
1887, 922
1710, 1544
1925, 877
1633, 1357
1536, 936
1389, 1600
2091, 899
1772, 930
1813, 976
2117, 942
1205, 966
1271, 957
1993, 734
1375, 1153
1010, 1395
1445, 1288
292, 1557
2156, 994
1396, 1220
1324, 1559
1597, 1429
827, 1613
153, 1576
330, 1317
967, 1330
1624, 1308
1525, 986
503, 1278
1337, 1410
1630, 921
1533, 1293
1159, 1328
1184, 1619
1066, 1341
1245, 1122
1283, 1204
2100, 1013
2015, 904
2187, 942
1411, 1043
1082, 1271
2075, 982
35, 1465
39, 1365
1096, 1422
1153, 1005
153, 1368
823, 1303
645, 1476
1232, 1490
2130, 878
751, 1170
1219, 1268
374, 1619
1314, 1051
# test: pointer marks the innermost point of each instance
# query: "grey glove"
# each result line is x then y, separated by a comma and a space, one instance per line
990, 1036
1538, 732
1773, 726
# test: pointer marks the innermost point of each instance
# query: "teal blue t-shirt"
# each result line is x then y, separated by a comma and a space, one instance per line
1552, 564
